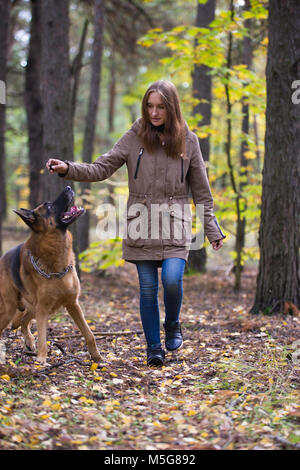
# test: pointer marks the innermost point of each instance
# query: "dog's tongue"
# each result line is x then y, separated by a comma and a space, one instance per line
72, 211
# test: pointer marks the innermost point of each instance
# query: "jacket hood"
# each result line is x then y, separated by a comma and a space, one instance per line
136, 125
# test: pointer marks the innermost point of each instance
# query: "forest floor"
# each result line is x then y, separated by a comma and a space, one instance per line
234, 385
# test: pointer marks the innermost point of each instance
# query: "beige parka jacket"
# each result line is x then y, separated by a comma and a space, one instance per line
158, 224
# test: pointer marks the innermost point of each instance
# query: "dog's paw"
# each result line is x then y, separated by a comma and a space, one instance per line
96, 358
29, 350
41, 360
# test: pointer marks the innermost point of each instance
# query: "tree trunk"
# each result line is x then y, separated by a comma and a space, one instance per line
202, 85
77, 65
241, 223
55, 91
112, 94
91, 119
278, 278
5, 6
33, 105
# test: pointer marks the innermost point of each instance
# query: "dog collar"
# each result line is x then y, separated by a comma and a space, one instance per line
49, 275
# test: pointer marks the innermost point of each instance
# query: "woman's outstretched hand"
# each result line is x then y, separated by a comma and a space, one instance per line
56, 166
217, 244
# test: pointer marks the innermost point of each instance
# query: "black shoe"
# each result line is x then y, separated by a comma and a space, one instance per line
155, 355
174, 338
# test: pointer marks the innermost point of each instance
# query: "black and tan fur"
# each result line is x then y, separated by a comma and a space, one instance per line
25, 293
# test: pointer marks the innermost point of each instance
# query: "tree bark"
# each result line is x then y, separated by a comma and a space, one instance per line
77, 65
112, 94
5, 7
91, 119
55, 91
241, 222
202, 85
278, 278
33, 104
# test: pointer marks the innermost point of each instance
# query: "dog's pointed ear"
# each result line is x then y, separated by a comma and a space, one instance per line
26, 215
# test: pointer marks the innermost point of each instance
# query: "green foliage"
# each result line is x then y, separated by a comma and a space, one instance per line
189, 46
102, 255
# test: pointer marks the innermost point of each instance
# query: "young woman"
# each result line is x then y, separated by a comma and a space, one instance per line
165, 165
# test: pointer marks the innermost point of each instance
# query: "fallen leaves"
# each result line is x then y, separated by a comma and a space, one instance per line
231, 386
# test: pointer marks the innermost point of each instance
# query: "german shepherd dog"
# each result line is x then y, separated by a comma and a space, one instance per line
39, 276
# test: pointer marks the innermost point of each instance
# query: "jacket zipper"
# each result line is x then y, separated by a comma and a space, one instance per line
138, 163
182, 171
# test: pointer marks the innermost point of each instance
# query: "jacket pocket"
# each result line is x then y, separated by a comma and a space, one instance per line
136, 232
180, 228
138, 163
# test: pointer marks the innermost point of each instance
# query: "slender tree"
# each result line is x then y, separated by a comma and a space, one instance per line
278, 281
5, 6
33, 104
202, 89
55, 90
77, 65
91, 118
241, 222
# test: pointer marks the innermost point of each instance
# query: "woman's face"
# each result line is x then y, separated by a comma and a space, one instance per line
156, 109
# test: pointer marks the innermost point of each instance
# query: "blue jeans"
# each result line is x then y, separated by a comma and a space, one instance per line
171, 276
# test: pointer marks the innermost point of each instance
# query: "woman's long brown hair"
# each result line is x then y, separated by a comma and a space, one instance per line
174, 131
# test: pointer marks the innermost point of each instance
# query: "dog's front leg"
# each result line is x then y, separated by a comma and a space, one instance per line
77, 315
41, 323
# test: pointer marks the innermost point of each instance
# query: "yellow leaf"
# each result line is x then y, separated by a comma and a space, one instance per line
157, 424
56, 407
47, 403
250, 155
164, 417
17, 438
192, 412
113, 374
5, 377
126, 419
94, 366
91, 402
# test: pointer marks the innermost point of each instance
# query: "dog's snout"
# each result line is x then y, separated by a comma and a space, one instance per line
68, 188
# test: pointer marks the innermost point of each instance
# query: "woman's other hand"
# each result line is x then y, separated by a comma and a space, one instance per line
217, 244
